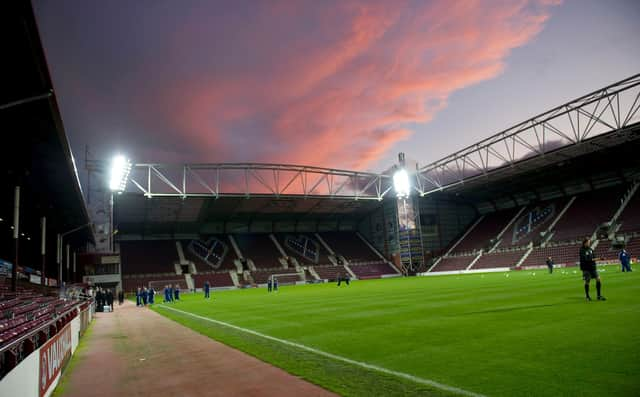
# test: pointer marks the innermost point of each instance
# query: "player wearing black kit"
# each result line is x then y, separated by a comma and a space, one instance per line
589, 271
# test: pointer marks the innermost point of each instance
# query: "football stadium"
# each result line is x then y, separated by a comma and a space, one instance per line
505, 267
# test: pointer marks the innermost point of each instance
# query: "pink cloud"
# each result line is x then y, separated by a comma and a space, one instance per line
335, 85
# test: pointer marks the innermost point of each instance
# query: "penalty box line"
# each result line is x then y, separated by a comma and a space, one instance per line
361, 364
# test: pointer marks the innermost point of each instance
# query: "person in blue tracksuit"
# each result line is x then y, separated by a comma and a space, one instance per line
169, 293
176, 292
138, 297
151, 294
207, 288
625, 260
275, 284
145, 296
269, 284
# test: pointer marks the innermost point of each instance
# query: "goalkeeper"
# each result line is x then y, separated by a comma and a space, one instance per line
589, 271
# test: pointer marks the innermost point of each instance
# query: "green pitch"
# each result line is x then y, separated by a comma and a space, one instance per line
497, 334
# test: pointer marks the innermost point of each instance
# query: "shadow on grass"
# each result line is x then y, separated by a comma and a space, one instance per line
510, 309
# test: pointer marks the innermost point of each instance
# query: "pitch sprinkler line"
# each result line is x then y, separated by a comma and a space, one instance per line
413, 378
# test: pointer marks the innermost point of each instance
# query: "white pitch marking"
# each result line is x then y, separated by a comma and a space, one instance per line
413, 378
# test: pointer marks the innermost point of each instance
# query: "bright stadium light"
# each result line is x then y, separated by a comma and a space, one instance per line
401, 183
120, 168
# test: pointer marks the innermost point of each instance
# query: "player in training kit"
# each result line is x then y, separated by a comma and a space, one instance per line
589, 271
625, 260
550, 264
275, 284
206, 290
269, 284
176, 292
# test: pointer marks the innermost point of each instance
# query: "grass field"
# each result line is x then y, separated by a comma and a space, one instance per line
497, 334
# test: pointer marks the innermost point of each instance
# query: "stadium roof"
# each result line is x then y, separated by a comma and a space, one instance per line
137, 214
602, 161
35, 151
603, 118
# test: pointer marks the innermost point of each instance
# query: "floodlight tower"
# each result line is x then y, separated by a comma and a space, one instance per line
402, 186
407, 210
120, 169
401, 183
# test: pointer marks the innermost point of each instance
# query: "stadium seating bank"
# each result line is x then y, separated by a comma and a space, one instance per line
38, 335
524, 237
246, 260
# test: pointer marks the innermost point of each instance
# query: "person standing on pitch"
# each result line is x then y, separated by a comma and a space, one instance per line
177, 292
206, 289
550, 264
269, 284
170, 293
275, 284
588, 267
339, 276
145, 296
625, 260
99, 302
110, 299
151, 294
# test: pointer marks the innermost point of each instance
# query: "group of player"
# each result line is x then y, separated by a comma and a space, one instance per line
272, 284
345, 278
171, 293
145, 296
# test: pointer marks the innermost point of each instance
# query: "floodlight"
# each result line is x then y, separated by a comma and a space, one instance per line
401, 183
120, 168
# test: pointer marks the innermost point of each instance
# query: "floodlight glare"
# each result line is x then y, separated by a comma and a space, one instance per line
401, 183
120, 168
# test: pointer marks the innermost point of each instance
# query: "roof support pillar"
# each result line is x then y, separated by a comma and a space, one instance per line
16, 236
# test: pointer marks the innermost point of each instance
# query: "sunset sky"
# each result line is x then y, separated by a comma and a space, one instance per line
345, 84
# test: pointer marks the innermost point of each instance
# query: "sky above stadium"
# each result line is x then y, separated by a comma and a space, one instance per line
342, 84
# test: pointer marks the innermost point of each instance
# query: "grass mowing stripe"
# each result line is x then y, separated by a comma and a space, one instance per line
428, 382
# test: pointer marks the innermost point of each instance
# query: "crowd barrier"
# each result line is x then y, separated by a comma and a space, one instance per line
39, 373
